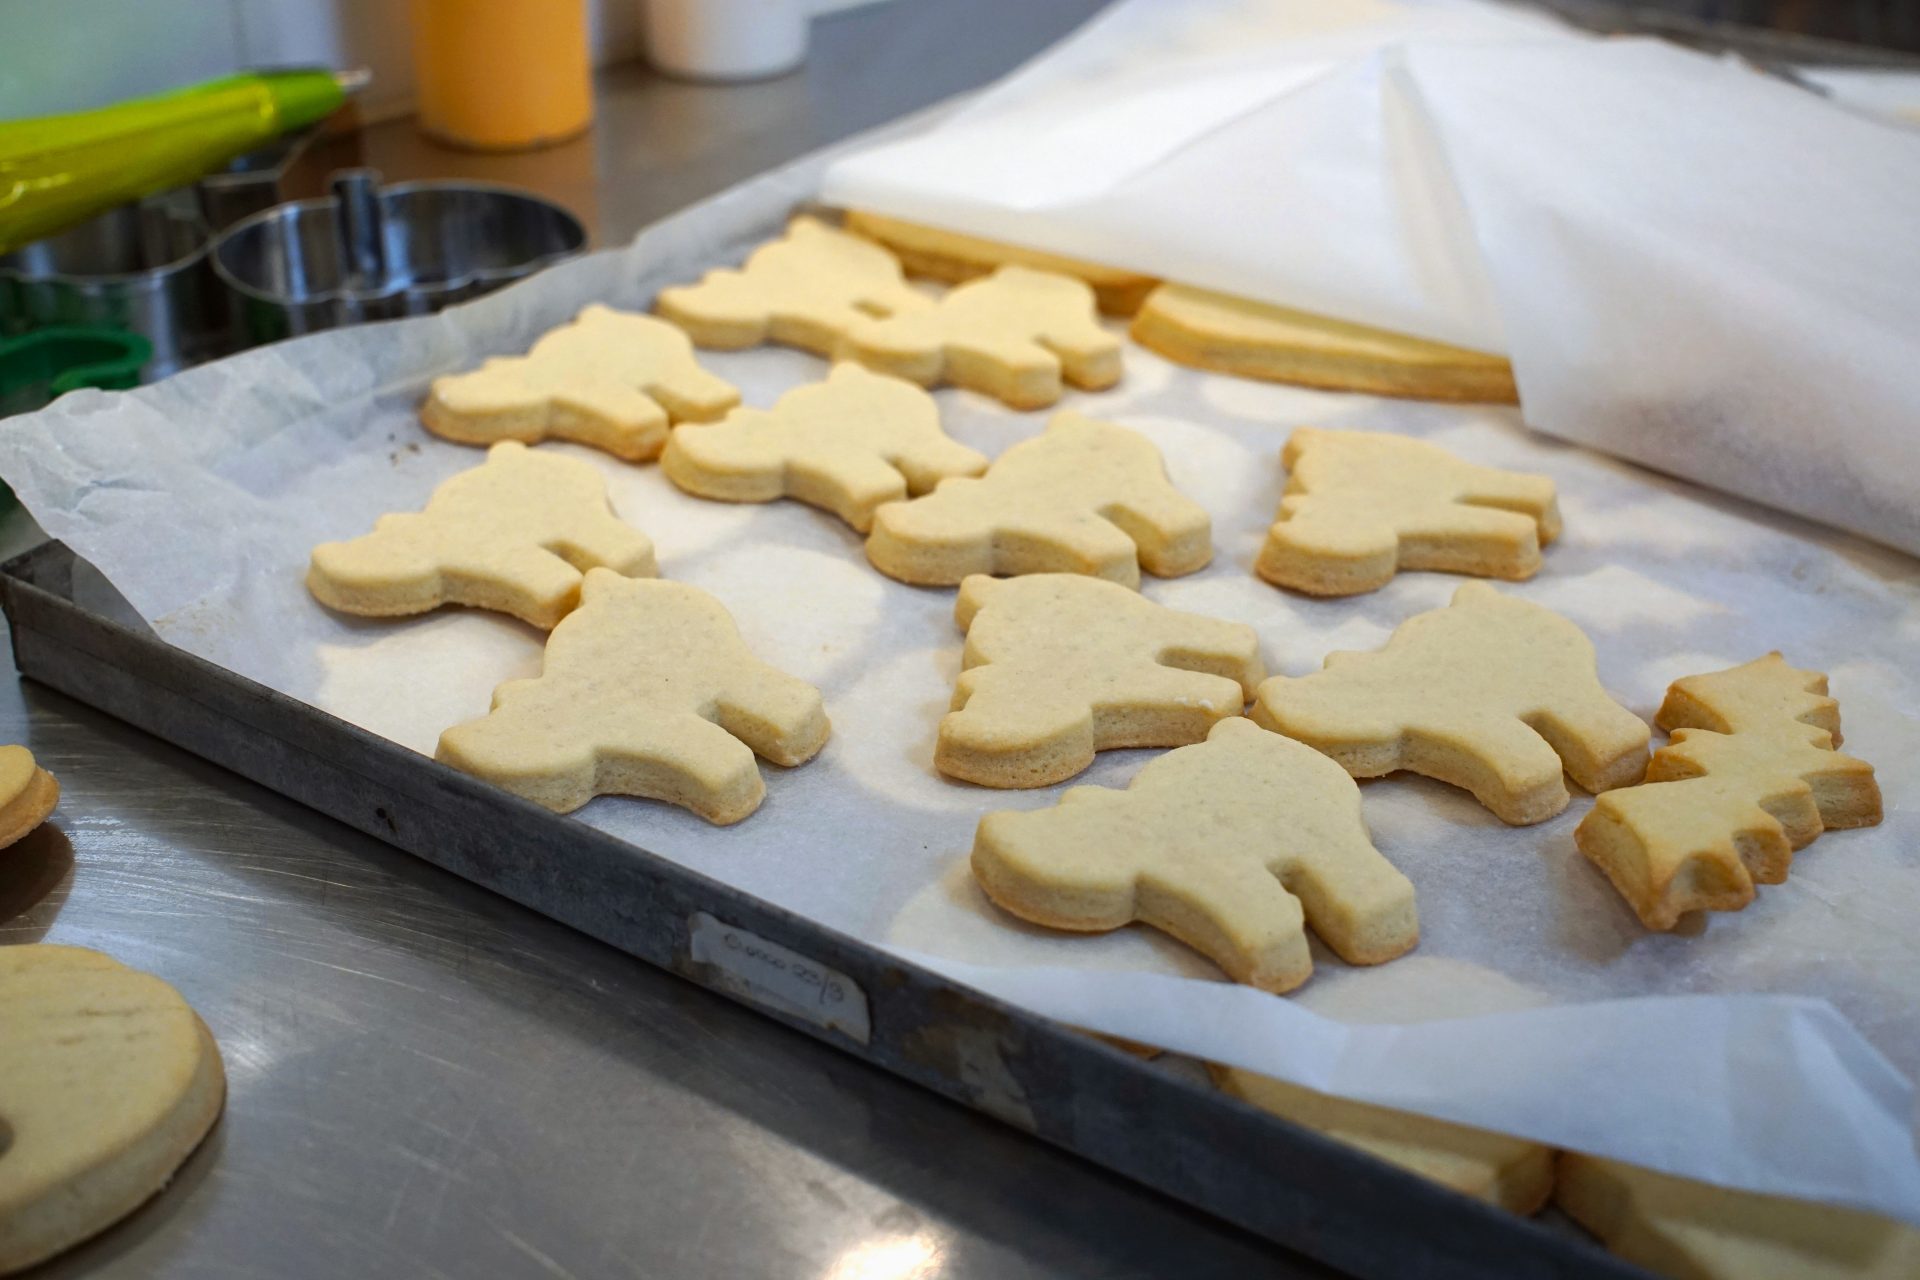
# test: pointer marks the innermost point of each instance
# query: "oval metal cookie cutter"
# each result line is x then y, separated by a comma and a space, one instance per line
368, 252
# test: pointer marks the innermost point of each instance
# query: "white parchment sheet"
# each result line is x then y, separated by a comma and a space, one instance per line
1691, 264
1769, 1049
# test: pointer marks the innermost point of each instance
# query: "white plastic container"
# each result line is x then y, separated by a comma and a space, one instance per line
725, 39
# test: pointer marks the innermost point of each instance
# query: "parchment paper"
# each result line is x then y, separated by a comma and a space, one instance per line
1522, 1009
1691, 265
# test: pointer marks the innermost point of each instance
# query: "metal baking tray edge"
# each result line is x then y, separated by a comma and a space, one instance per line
1196, 1144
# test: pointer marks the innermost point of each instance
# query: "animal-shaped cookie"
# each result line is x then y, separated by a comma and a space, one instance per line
1226, 334
1362, 505
805, 290
1059, 666
108, 1081
513, 534
1751, 775
1082, 497
847, 445
646, 690
1227, 845
611, 379
28, 794
1697, 1231
1012, 335
952, 256
1493, 694
1514, 1173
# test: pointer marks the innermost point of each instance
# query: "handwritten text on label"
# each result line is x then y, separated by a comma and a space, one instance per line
766, 972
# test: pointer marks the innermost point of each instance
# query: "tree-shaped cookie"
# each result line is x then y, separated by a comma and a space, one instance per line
513, 534
1751, 775
1013, 335
646, 690
611, 379
1227, 845
847, 445
1362, 505
1492, 694
805, 290
1059, 666
1082, 497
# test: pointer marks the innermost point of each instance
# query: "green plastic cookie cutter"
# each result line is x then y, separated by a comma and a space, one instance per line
47, 363
41, 366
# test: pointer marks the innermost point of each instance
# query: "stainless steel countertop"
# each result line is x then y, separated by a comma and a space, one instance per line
427, 1080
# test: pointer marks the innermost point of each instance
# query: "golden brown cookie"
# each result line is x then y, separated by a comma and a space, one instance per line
513, 535
1232, 845
611, 379
1360, 506
1493, 694
1082, 497
108, 1081
1510, 1172
1692, 1231
804, 290
846, 445
956, 257
646, 690
1750, 776
1761, 695
1224, 334
28, 794
1013, 335
1059, 666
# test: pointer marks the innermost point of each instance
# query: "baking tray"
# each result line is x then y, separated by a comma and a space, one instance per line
1143, 1120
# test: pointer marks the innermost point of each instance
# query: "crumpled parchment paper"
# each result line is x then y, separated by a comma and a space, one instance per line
1691, 265
1770, 1049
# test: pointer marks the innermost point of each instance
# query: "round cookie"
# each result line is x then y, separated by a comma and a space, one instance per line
28, 794
111, 1081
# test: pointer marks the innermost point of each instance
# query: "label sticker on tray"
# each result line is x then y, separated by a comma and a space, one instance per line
767, 973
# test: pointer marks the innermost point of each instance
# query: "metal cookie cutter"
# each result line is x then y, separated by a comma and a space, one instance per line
369, 252
258, 180
141, 267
